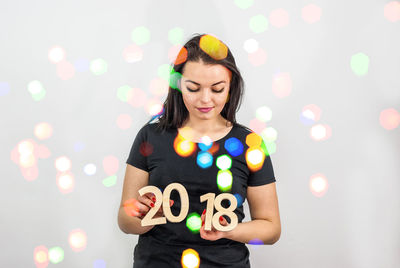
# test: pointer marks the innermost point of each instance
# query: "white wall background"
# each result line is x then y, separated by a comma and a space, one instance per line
354, 224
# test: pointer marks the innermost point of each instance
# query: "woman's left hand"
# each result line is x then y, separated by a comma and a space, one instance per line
213, 234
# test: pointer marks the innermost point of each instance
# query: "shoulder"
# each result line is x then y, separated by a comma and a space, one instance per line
152, 129
242, 129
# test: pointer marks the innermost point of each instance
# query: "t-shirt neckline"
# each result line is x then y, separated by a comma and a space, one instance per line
224, 137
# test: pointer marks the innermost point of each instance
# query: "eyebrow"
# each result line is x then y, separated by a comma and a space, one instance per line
199, 84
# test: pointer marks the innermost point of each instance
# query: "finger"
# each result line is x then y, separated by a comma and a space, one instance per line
152, 197
223, 221
203, 217
145, 201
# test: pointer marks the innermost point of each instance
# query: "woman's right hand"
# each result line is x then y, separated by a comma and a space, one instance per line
145, 203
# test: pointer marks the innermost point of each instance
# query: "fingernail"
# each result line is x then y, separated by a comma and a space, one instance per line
154, 199
152, 205
204, 212
202, 223
221, 218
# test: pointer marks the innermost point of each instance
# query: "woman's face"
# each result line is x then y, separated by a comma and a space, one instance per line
205, 86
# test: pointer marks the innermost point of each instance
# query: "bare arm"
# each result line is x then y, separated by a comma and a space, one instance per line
135, 179
265, 224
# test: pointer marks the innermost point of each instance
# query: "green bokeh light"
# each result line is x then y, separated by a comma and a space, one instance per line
258, 23
263, 114
175, 35
268, 147
223, 162
224, 180
193, 222
269, 134
164, 71
110, 181
173, 80
98, 66
359, 64
56, 255
244, 4
37, 90
122, 93
140, 35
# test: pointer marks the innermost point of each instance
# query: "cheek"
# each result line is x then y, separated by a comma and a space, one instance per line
188, 101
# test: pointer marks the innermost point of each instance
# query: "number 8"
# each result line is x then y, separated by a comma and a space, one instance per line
220, 211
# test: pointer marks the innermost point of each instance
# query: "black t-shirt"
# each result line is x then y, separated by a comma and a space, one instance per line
154, 152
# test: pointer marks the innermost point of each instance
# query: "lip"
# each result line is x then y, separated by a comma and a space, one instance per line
205, 109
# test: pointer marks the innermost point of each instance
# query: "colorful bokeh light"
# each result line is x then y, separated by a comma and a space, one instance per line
204, 159
258, 23
213, 47
110, 181
318, 184
193, 222
205, 143
263, 113
184, 147
391, 11
311, 13
190, 258
43, 130
389, 118
310, 114
282, 84
56, 54
98, 66
140, 35
41, 257
279, 18
56, 255
255, 158
132, 53
224, 180
320, 132
223, 162
253, 140
234, 146
359, 64
131, 207
65, 182
77, 240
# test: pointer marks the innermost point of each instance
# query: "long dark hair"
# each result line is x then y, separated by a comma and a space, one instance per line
174, 111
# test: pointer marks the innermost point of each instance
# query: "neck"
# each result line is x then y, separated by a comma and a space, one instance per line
205, 126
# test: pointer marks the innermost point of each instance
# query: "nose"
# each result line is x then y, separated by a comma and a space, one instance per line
205, 95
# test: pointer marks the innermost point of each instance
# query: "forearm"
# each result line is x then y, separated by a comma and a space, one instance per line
255, 230
131, 225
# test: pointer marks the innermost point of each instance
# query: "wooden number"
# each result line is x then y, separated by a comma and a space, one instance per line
163, 199
209, 210
184, 202
225, 211
148, 219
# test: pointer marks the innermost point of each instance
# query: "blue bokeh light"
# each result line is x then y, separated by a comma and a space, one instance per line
234, 146
204, 159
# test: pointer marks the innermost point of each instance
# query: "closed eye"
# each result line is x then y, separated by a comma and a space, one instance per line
196, 90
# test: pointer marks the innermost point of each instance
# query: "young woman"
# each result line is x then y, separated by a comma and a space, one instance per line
198, 143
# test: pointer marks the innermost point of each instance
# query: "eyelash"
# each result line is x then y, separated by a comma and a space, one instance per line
192, 90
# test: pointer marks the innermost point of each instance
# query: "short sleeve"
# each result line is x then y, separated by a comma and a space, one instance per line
265, 174
138, 156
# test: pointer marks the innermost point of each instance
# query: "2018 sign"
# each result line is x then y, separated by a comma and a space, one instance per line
163, 199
